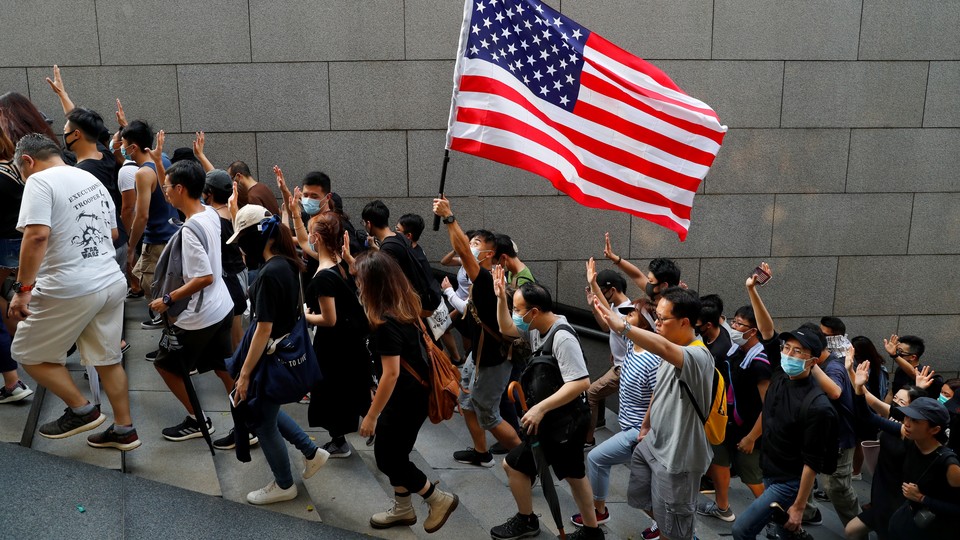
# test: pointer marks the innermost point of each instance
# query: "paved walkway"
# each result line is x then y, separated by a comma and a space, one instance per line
166, 482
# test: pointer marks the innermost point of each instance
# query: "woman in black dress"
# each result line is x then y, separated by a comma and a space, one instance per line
343, 397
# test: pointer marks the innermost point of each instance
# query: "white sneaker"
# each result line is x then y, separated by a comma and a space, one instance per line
20, 391
272, 493
311, 466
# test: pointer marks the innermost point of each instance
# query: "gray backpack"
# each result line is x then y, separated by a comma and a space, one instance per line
169, 273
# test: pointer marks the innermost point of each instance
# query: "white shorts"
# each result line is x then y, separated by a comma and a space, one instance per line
94, 322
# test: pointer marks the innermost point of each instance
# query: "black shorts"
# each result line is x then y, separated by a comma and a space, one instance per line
566, 458
235, 286
203, 350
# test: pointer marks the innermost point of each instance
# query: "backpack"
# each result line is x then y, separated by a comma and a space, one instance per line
426, 286
169, 273
444, 384
540, 380
714, 425
830, 438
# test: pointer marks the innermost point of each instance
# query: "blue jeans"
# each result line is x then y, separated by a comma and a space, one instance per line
613, 451
275, 427
10, 252
752, 520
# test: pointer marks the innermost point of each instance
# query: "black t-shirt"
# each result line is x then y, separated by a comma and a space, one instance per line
719, 349
11, 194
231, 258
393, 338
929, 473
274, 296
749, 402
106, 169
398, 247
789, 441
485, 302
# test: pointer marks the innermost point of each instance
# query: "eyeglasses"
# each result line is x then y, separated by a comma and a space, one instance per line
740, 324
904, 354
793, 351
167, 186
661, 320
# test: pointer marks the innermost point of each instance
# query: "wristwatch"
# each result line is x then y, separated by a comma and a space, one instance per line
19, 287
449, 219
167, 300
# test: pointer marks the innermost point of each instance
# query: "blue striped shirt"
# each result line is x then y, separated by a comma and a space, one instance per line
638, 376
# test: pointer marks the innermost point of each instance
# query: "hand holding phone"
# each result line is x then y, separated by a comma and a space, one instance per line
233, 398
762, 276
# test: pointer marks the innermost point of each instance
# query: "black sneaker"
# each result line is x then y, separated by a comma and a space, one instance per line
706, 486
111, 439
498, 449
588, 533
228, 442
817, 519
472, 457
71, 424
188, 429
821, 495
519, 526
152, 324
132, 295
152, 355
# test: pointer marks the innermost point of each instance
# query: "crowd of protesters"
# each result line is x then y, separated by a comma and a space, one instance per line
87, 214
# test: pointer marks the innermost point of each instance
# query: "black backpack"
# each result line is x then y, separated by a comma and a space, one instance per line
540, 380
425, 285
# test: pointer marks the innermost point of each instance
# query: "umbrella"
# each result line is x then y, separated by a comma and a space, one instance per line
169, 341
543, 468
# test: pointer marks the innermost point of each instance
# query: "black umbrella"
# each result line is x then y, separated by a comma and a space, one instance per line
543, 468
169, 341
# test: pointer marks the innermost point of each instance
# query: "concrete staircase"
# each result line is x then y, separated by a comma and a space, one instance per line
346, 492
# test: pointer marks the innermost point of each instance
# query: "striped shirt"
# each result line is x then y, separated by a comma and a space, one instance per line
638, 376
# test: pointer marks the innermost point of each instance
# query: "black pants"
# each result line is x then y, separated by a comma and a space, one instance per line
397, 431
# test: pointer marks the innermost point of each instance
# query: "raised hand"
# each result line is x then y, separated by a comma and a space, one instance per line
233, 203
345, 251
891, 344
862, 374
752, 280
499, 282
591, 270
614, 321
925, 377
293, 201
199, 141
441, 207
57, 83
121, 117
156, 153
608, 249
849, 361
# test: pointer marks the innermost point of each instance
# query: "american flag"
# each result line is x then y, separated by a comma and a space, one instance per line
536, 90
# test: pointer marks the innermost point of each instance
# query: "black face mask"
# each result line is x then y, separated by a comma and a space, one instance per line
896, 413
252, 244
66, 144
650, 290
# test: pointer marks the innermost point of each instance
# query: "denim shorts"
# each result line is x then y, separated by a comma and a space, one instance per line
10, 252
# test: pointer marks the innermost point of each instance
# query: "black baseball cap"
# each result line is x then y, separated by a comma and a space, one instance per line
219, 179
928, 409
807, 338
609, 278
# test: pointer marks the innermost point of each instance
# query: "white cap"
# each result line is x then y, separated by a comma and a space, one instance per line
249, 216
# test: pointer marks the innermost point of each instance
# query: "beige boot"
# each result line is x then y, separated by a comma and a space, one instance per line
401, 514
442, 504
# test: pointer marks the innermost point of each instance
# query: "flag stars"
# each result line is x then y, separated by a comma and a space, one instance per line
577, 34
487, 23
551, 70
554, 49
495, 38
574, 57
527, 24
537, 75
536, 40
526, 80
524, 45
557, 22
502, 54
484, 44
499, 16
539, 8
557, 84
564, 100
474, 50
570, 79
516, 29
511, 49
544, 90
509, 13
519, 9
505, 33
544, 54
476, 29
481, 7
496, 57
531, 61
494, 2
547, 34
563, 64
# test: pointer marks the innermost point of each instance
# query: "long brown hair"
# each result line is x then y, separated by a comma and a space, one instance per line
7, 147
328, 228
385, 290
19, 117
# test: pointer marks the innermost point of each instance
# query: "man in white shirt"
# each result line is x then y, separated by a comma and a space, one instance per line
201, 330
70, 290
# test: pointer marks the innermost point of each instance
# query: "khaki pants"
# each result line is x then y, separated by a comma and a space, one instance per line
607, 385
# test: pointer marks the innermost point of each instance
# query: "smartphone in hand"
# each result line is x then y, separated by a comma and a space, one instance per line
233, 398
762, 275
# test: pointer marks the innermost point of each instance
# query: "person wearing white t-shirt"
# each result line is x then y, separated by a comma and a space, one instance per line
70, 291
202, 329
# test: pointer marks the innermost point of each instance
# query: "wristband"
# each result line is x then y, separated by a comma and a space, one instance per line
619, 260
626, 328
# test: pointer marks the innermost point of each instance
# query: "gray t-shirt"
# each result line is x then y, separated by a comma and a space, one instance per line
566, 349
676, 437
618, 347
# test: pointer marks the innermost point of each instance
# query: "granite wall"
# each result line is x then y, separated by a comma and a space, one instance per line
838, 169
